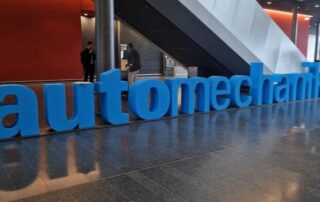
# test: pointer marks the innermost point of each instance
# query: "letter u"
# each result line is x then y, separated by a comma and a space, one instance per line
55, 106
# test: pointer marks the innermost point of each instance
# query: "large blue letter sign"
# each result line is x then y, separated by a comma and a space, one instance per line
149, 91
281, 91
262, 85
314, 68
300, 86
55, 106
237, 98
151, 99
220, 92
25, 108
189, 87
111, 87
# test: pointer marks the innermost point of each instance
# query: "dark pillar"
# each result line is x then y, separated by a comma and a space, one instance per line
294, 28
317, 42
105, 35
117, 43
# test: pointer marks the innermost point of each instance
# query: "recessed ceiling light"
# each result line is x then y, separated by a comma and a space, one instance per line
317, 6
85, 14
269, 2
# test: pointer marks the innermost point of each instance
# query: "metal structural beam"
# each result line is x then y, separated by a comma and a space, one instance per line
316, 52
294, 28
105, 36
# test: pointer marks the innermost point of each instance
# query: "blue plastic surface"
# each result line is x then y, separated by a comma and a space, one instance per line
149, 99
220, 92
262, 85
237, 98
190, 88
83, 106
25, 108
111, 87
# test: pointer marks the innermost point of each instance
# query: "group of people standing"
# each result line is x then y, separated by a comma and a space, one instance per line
88, 60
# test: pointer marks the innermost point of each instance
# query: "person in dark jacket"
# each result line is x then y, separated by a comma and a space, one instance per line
133, 65
88, 59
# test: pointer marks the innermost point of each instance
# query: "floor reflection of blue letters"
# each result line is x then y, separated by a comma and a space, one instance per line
66, 160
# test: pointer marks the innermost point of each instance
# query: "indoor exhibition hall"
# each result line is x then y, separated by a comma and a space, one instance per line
160, 100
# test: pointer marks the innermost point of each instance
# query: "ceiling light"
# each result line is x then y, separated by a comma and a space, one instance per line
317, 6
269, 2
85, 14
300, 15
307, 18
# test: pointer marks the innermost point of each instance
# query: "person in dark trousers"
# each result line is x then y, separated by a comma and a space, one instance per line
133, 65
88, 59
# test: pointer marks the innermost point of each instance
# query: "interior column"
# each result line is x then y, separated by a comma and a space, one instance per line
105, 36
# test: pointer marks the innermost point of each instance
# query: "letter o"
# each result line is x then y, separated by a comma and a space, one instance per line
139, 99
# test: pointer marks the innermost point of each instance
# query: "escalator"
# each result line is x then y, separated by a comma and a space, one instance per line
221, 37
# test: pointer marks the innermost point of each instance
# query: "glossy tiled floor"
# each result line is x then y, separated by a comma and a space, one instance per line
268, 153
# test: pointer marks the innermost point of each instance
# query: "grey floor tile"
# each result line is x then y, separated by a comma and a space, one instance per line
113, 194
88, 192
189, 190
50, 197
154, 187
132, 190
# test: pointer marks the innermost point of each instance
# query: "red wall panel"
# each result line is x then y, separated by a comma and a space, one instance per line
88, 5
40, 40
284, 20
303, 35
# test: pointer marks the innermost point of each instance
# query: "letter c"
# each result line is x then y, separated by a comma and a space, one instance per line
237, 99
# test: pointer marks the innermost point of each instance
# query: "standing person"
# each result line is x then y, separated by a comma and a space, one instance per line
88, 59
133, 65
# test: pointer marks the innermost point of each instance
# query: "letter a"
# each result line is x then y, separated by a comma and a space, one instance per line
25, 108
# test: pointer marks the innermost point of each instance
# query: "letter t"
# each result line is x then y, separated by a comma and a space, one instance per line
110, 88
